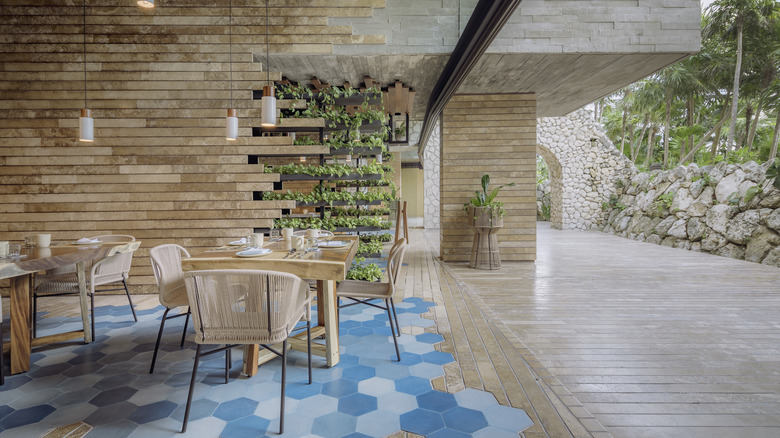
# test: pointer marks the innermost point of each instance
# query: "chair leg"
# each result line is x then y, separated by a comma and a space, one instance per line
284, 384
308, 346
130, 300
2, 363
92, 314
159, 337
189, 395
184, 331
395, 316
392, 331
227, 364
35, 316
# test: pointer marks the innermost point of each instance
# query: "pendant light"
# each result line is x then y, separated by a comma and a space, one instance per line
146, 3
269, 97
86, 123
231, 126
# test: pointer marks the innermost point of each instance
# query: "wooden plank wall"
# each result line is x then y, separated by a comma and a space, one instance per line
494, 134
160, 168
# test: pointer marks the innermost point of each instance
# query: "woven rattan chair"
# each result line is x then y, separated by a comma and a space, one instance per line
363, 292
105, 276
239, 307
166, 264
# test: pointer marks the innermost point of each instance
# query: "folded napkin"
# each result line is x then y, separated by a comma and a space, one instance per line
241, 241
88, 240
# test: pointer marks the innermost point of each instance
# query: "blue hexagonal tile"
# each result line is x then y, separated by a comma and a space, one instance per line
249, 427
438, 357
334, 425
436, 401
409, 359
22, 417
507, 418
413, 385
421, 422
449, 433
302, 390
340, 388
361, 331
464, 420
115, 395
152, 412
357, 404
358, 373
430, 338
234, 409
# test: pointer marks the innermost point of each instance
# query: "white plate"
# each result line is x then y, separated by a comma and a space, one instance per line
254, 252
333, 244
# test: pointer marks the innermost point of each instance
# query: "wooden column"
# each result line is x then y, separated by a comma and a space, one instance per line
494, 134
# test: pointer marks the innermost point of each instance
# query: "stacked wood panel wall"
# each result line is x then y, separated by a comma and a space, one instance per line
493, 134
160, 167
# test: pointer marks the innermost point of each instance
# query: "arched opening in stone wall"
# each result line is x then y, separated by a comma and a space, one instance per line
555, 173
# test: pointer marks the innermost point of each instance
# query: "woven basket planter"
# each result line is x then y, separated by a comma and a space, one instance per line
486, 224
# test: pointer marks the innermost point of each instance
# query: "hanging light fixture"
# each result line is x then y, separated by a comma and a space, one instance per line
146, 3
231, 126
86, 123
269, 97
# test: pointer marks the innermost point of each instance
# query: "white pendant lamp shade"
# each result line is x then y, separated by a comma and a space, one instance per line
269, 107
86, 126
231, 128
146, 3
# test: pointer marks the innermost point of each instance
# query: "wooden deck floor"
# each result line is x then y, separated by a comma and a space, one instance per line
639, 340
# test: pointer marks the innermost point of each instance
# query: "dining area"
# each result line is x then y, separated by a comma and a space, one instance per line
249, 293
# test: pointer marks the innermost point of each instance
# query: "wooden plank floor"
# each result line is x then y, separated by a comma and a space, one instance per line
639, 340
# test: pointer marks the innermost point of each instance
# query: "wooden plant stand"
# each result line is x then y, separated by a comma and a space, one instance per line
485, 251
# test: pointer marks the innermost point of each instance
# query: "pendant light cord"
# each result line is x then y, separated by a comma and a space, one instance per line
230, 44
267, 51
85, 53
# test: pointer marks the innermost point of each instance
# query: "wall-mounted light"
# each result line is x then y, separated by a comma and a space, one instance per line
146, 3
268, 118
86, 123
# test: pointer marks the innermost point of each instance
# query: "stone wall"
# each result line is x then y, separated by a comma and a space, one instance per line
431, 168
728, 210
583, 165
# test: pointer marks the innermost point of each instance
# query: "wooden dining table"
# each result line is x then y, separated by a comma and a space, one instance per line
21, 270
327, 266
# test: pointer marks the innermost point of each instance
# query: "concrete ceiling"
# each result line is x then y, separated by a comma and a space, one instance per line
562, 82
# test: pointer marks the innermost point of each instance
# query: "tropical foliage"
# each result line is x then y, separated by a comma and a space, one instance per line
722, 104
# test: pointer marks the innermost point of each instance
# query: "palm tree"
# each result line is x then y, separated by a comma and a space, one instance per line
728, 20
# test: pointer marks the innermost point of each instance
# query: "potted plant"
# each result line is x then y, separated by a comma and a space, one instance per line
486, 218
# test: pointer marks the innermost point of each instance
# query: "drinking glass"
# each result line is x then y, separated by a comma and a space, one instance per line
274, 236
29, 241
14, 250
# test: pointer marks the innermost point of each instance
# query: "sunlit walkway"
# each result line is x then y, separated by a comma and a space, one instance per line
634, 339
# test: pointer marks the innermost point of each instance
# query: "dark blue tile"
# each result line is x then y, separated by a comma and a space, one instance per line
152, 412
13, 382
302, 390
464, 420
375, 323
347, 360
235, 409
334, 425
115, 395
125, 356
247, 427
413, 385
436, 401
114, 381
421, 422
340, 388
180, 379
358, 373
84, 369
92, 356
349, 324
23, 417
5, 410
357, 404
50, 370
356, 435
438, 358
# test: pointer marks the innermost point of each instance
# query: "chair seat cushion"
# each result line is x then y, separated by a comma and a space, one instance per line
363, 289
